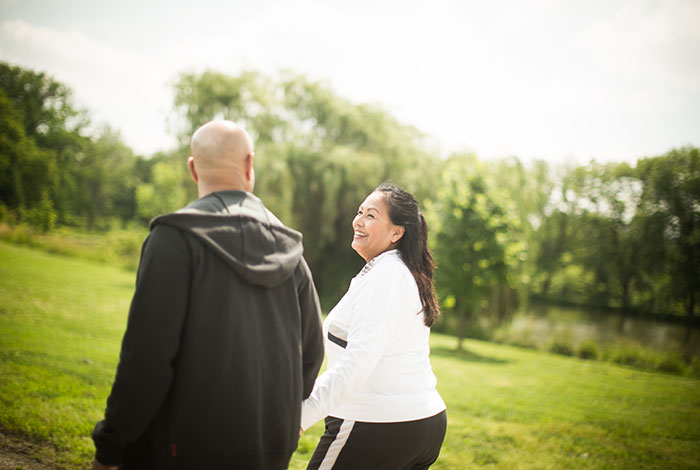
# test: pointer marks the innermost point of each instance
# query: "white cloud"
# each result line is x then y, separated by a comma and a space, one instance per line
650, 44
118, 86
542, 78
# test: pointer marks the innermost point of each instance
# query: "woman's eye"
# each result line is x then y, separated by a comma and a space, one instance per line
370, 216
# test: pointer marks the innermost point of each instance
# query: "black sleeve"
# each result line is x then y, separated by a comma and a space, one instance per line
311, 328
150, 343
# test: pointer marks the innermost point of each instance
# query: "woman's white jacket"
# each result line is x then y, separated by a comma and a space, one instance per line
378, 353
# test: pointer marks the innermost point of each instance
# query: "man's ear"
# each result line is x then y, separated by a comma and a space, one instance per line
249, 167
249, 172
398, 233
193, 170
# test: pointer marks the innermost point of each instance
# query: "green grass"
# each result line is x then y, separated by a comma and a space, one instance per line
61, 321
120, 247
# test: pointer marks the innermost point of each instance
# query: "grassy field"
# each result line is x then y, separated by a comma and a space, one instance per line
61, 321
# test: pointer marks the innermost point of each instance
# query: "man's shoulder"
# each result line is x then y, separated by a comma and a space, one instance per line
165, 233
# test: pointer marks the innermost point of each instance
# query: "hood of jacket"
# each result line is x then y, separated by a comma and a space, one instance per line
239, 229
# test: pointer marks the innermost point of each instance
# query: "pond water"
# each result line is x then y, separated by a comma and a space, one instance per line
542, 323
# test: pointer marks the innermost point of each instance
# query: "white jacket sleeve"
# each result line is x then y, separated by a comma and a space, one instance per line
370, 330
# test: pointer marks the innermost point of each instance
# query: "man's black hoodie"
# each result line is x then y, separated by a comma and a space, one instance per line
223, 342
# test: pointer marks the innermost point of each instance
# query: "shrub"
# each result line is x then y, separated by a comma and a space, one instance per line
588, 350
624, 355
521, 339
561, 347
632, 354
21, 234
6, 214
125, 244
694, 368
672, 363
43, 216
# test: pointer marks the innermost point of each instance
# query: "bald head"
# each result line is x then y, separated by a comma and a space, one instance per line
222, 157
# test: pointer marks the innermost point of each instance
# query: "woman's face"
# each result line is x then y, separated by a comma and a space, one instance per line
374, 233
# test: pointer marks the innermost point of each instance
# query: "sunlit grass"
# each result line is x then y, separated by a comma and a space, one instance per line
514, 408
119, 247
61, 322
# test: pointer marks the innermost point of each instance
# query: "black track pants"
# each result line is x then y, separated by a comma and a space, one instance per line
353, 445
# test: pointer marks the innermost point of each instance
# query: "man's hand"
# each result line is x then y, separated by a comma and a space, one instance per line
98, 466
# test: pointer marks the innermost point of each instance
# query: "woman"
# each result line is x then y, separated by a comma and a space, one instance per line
378, 393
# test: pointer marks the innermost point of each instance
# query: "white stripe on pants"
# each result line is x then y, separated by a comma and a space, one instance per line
337, 445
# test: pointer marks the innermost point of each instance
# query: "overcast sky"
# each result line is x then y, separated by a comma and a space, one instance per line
611, 80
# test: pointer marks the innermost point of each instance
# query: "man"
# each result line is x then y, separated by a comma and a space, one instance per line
224, 336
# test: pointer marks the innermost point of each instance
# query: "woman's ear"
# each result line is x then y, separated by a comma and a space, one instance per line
398, 233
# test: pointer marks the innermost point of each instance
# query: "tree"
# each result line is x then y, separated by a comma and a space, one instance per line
606, 199
469, 233
523, 192
161, 195
672, 191
317, 157
118, 164
103, 175
553, 236
42, 108
44, 105
249, 99
26, 171
52, 162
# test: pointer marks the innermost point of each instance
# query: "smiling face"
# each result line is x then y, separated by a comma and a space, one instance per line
374, 233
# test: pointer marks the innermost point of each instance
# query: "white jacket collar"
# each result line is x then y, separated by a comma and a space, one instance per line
374, 261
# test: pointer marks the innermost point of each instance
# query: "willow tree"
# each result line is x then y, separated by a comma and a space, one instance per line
317, 156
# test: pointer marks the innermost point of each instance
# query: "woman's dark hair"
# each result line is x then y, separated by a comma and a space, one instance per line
413, 246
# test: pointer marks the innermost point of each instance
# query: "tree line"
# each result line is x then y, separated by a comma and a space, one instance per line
614, 235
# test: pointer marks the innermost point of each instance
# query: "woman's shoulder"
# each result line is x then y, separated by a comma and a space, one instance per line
389, 266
